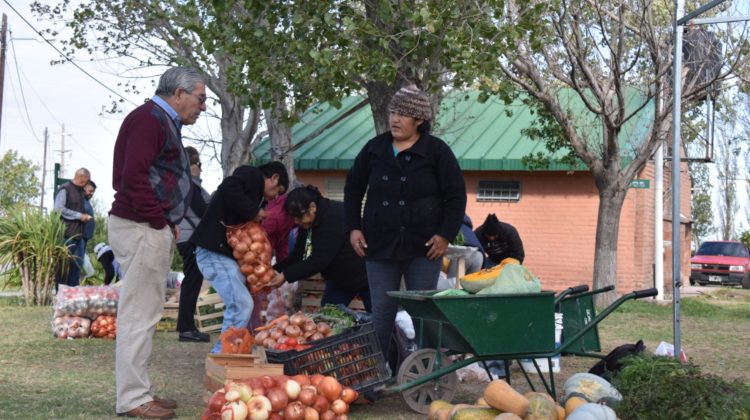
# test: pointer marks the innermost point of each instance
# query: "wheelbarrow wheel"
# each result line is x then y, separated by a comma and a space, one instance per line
421, 363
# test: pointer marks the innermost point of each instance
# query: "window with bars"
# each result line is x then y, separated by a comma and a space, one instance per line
335, 189
499, 191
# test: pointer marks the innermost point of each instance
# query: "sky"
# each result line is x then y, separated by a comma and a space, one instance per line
62, 99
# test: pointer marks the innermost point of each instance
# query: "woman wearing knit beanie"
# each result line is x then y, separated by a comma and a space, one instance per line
415, 204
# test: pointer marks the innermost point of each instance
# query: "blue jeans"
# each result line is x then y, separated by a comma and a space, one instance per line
385, 276
76, 250
224, 275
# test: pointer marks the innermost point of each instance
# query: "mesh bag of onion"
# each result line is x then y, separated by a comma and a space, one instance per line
252, 250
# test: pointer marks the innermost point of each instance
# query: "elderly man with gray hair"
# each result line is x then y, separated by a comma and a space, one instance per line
151, 179
70, 202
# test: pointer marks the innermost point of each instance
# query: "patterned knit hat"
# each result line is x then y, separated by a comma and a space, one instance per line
409, 101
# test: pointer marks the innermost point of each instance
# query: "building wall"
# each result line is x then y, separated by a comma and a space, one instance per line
556, 217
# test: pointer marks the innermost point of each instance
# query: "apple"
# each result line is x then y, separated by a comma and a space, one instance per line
236, 410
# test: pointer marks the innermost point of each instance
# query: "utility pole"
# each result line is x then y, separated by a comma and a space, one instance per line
44, 171
4, 30
62, 151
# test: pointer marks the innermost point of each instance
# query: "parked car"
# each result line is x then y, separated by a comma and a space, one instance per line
721, 262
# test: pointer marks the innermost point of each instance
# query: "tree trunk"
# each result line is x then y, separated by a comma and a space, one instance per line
380, 94
611, 200
280, 134
236, 134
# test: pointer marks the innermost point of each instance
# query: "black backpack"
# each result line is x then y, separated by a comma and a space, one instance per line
608, 367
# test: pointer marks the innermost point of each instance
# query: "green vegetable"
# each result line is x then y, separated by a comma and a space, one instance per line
460, 239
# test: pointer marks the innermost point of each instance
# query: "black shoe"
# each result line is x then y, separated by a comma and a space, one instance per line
195, 336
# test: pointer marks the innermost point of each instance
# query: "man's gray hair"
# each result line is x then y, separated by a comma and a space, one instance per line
178, 78
83, 172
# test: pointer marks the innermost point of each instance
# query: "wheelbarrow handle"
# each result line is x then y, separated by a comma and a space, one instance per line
579, 289
645, 293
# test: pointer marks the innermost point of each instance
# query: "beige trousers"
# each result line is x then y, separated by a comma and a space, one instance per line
144, 255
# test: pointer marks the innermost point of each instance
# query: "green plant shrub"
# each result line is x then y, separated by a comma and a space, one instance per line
656, 387
33, 244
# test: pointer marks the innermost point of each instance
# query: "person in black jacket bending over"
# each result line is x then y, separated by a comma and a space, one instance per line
323, 247
500, 241
240, 198
416, 198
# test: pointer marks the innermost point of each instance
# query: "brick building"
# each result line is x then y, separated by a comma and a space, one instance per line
554, 210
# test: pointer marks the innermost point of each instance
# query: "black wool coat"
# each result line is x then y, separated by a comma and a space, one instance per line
331, 253
410, 197
237, 200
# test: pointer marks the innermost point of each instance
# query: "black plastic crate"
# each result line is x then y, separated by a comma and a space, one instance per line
353, 357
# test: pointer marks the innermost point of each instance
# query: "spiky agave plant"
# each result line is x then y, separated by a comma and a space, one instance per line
33, 243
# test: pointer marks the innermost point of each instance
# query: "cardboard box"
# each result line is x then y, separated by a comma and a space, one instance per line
223, 367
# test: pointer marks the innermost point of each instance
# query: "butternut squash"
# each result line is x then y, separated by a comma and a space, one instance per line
560, 412
481, 402
475, 413
499, 394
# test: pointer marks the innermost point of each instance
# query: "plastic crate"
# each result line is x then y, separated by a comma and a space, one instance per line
353, 357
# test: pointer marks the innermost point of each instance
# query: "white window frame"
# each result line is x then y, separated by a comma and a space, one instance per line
492, 190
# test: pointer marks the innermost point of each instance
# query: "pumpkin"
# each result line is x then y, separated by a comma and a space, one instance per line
475, 413
507, 416
435, 406
499, 394
457, 407
593, 411
561, 414
541, 407
591, 387
574, 402
475, 282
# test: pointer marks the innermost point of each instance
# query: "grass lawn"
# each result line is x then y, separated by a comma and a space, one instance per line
45, 378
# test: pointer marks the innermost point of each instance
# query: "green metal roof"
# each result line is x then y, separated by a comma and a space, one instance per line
482, 136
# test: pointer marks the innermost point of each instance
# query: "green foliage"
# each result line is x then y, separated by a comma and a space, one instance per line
702, 212
33, 244
19, 184
745, 237
660, 387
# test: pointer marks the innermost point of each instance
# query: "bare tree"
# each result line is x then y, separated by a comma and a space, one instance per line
615, 59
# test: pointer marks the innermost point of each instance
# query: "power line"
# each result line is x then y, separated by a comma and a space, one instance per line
85, 150
20, 85
68, 59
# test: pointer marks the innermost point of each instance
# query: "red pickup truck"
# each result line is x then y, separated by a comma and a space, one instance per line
721, 262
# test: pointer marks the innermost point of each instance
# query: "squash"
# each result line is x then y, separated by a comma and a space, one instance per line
475, 282
561, 414
530, 394
593, 411
443, 413
457, 407
435, 406
481, 402
591, 386
574, 402
541, 407
499, 394
475, 413
508, 416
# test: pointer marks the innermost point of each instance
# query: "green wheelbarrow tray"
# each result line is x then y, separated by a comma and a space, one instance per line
493, 327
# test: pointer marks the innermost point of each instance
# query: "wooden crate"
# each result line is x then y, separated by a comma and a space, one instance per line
310, 293
223, 367
207, 323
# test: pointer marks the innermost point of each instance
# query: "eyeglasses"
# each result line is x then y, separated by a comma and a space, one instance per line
201, 98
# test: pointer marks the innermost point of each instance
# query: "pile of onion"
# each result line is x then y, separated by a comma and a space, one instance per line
252, 250
286, 332
299, 397
104, 326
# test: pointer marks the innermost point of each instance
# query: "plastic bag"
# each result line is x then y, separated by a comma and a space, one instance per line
86, 301
514, 278
236, 341
71, 327
88, 269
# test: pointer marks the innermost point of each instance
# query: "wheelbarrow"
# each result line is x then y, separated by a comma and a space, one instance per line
493, 327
